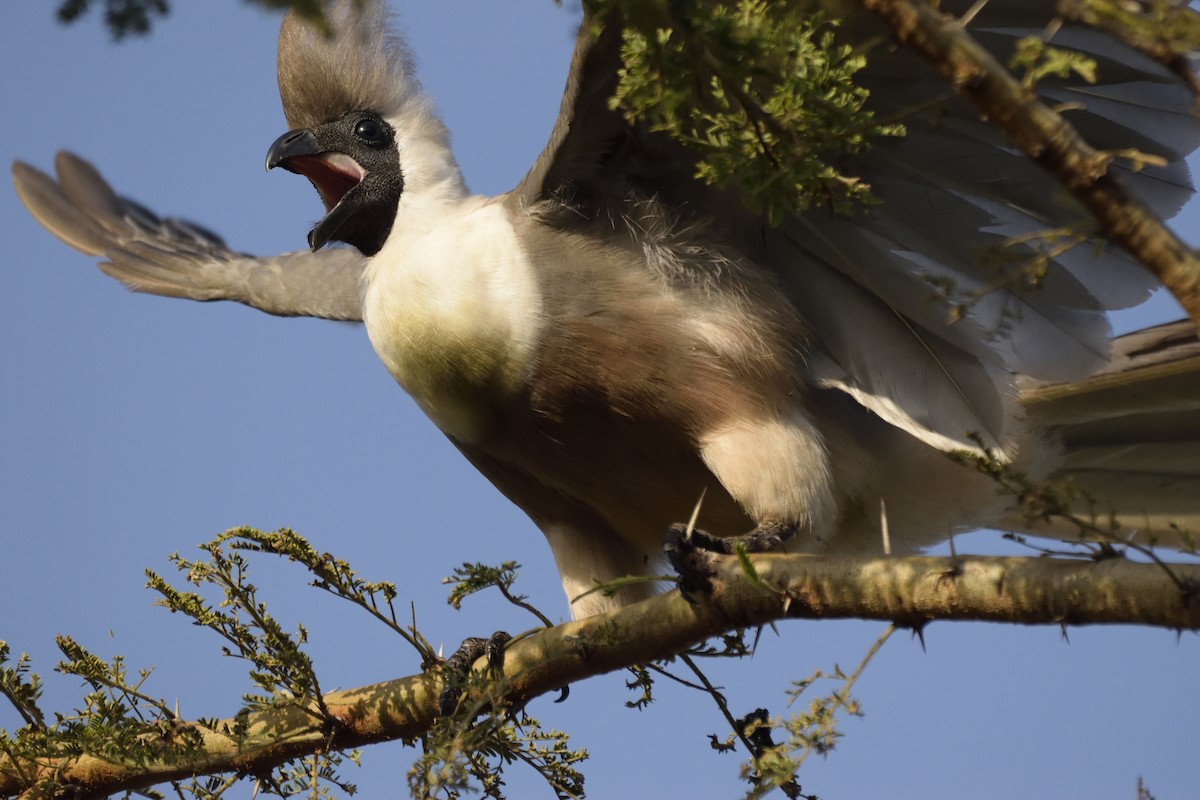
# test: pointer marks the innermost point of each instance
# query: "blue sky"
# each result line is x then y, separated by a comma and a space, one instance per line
133, 427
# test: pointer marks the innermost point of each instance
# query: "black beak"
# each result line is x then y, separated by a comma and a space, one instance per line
300, 142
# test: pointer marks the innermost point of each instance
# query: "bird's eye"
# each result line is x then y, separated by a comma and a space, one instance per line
371, 131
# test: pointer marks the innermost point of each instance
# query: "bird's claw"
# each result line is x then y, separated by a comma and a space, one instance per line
691, 551
458, 666
690, 554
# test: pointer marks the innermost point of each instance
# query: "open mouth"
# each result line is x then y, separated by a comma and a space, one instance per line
333, 174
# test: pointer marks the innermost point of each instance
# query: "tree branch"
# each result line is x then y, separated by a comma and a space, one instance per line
911, 591
1044, 136
1166, 43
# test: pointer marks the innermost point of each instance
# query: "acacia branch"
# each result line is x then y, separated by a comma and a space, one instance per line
908, 590
1165, 43
1044, 136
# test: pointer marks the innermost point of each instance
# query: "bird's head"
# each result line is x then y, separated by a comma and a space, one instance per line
353, 107
355, 166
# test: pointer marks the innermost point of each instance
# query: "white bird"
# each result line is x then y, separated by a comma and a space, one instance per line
612, 340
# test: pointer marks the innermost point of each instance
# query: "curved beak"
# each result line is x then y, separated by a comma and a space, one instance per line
334, 175
293, 144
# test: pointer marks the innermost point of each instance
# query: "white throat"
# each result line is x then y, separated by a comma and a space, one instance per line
453, 308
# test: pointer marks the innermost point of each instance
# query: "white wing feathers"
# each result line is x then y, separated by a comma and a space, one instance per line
178, 259
909, 375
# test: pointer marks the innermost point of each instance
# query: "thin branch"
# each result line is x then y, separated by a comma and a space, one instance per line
519, 603
722, 705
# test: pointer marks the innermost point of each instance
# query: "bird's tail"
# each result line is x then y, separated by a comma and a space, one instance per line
1130, 436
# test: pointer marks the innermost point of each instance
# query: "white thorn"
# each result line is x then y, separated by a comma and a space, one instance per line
883, 527
691, 526
966, 18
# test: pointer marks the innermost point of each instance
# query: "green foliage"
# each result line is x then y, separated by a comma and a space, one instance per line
333, 575
22, 688
1039, 60
468, 750
279, 666
462, 755
643, 683
117, 714
762, 91
812, 730
1164, 28
770, 765
120, 723
137, 17
116, 721
458, 751
314, 776
1097, 533
472, 578
121, 17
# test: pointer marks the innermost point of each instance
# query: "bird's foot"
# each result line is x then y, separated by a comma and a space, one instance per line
458, 667
691, 551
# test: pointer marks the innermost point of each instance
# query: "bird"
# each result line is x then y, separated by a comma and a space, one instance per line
617, 345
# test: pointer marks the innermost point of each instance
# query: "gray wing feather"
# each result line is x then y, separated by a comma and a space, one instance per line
1130, 433
938, 250
175, 258
586, 127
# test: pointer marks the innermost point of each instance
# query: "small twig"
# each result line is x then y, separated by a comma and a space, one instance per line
516, 601
841, 695
719, 699
672, 676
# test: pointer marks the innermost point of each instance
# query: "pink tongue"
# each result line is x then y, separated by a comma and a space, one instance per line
333, 174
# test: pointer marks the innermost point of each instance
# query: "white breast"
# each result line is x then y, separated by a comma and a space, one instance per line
453, 308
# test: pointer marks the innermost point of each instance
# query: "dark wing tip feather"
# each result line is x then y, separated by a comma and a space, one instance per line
56, 212
585, 126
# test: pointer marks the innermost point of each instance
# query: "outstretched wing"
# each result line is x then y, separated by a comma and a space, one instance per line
922, 307
175, 258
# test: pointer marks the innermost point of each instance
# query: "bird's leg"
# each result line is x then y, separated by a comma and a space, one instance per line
690, 551
458, 667
767, 537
